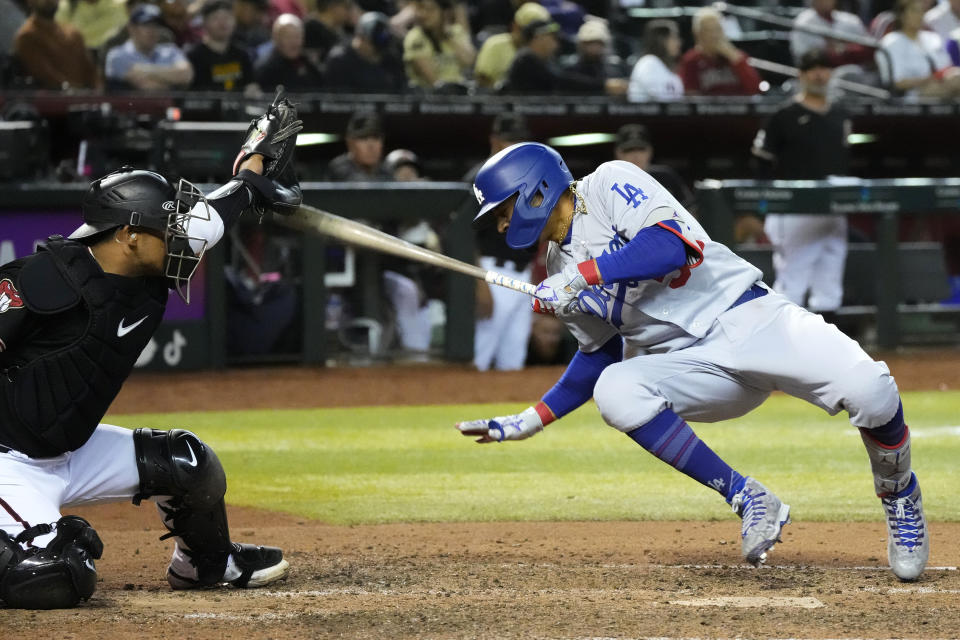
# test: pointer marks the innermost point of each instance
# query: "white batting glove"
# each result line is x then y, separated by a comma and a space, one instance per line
516, 427
559, 291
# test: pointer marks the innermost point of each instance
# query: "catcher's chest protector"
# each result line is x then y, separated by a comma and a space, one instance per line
91, 328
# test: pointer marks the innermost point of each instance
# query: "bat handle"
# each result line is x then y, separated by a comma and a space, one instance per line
510, 283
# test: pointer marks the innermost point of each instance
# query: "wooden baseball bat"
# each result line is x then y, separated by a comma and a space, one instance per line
311, 219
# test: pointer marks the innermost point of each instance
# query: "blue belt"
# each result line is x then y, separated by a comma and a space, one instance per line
756, 291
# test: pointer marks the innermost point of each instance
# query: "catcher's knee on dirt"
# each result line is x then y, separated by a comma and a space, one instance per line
186, 477
57, 576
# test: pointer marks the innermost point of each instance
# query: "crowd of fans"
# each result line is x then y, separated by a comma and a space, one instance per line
453, 46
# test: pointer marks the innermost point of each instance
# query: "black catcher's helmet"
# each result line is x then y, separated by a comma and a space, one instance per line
147, 200
126, 197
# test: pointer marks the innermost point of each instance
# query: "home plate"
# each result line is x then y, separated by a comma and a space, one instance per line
751, 601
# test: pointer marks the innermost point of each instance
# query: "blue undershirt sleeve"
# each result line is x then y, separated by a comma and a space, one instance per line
575, 386
652, 253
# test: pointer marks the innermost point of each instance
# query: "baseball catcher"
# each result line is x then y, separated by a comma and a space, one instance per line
673, 326
74, 317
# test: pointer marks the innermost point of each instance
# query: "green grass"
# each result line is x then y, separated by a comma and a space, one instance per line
406, 464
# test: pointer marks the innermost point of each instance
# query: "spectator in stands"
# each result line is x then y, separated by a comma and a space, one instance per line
144, 62
654, 76
363, 160
503, 318
885, 20
494, 16
96, 20
633, 145
807, 140
12, 17
953, 47
943, 18
121, 34
403, 166
326, 27
534, 71
176, 17
287, 65
823, 14
915, 61
280, 7
253, 27
218, 64
714, 67
593, 57
54, 55
569, 15
498, 51
368, 63
437, 51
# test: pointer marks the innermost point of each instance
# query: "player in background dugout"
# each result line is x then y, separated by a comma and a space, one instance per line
806, 139
504, 317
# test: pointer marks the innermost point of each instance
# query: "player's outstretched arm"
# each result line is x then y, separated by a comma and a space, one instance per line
272, 137
573, 389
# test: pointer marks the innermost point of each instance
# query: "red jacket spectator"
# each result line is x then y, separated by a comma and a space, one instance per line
714, 67
716, 76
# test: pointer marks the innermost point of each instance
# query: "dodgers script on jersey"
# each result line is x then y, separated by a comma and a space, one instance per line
653, 316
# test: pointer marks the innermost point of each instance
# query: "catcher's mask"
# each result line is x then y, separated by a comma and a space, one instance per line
146, 199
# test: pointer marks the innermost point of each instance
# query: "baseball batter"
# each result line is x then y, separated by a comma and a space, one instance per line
674, 327
74, 317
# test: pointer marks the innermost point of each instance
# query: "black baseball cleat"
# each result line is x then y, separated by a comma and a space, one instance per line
248, 566
260, 565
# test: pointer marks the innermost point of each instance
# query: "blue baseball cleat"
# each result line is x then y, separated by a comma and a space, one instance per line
764, 516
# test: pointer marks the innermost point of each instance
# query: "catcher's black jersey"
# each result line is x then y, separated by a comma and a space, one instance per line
69, 337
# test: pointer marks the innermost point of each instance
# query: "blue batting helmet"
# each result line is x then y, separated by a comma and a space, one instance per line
527, 169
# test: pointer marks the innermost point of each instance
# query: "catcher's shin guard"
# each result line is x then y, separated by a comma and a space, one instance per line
890, 463
178, 464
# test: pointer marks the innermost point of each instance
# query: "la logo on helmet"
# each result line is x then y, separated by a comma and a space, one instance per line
478, 193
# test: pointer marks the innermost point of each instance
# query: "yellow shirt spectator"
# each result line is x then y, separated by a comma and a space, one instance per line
96, 20
446, 65
498, 51
494, 58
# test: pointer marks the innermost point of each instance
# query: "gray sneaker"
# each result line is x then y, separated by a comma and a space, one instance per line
908, 542
764, 516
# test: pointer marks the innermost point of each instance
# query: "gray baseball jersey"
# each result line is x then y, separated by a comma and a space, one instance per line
653, 316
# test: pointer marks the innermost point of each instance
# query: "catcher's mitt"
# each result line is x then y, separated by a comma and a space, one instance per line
273, 135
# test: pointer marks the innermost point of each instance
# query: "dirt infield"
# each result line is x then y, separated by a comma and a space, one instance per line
500, 580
